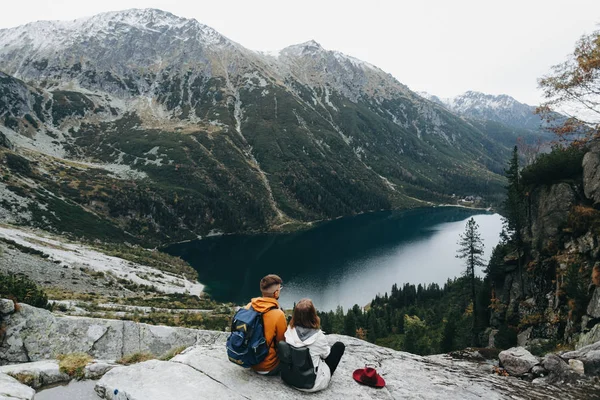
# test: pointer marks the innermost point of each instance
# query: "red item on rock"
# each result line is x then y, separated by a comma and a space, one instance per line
368, 376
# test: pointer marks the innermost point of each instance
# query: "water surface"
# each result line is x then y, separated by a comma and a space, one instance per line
343, 262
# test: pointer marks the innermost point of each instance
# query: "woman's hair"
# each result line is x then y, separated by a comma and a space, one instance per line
305, 315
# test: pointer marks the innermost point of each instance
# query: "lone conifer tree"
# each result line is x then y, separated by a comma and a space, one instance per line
514, 206
471, 249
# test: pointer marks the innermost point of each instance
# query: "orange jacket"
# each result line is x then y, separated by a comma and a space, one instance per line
275, 326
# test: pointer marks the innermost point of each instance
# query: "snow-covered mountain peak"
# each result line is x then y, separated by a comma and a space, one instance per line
57, 35
476, 100
303, 49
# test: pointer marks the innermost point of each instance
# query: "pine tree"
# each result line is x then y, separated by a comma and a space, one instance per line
514, 206
471, 249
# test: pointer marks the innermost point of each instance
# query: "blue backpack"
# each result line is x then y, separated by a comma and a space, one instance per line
246, 345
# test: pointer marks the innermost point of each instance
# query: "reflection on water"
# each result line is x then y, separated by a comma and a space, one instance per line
342, 262
75, 390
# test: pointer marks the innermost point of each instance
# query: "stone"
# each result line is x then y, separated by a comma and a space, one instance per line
36, 374
539, 371
6, 306
577, 366
593, 308
558, 370
523, 337
588, 355
34, 334
98, 368
204, 372
12, 389
517, 361
4, 142
588, 338
591, 176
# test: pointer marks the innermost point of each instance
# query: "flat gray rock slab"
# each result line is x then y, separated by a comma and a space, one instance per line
37, 374
12, 389
204, 372
161, 380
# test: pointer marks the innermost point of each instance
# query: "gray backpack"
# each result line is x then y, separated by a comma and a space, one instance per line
297, 368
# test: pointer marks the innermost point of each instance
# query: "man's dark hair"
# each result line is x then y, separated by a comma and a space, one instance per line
268, 281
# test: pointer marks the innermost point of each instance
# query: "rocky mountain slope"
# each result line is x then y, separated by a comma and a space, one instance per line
135, 120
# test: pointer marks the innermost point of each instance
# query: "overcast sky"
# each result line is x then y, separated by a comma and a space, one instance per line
444, 47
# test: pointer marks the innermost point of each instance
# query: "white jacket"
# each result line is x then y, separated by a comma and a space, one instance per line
319, 349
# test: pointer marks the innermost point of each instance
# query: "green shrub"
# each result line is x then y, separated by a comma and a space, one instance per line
22, 290
561, 163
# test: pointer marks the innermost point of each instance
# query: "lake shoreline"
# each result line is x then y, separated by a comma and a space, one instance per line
329, 261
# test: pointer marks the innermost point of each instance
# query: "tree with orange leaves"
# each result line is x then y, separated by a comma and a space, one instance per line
574, 88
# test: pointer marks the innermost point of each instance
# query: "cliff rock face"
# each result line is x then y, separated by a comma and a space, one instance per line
591, 174
550, 207
562, 248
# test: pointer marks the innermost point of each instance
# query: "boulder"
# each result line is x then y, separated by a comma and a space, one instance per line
4, 142
36, 374
591, 176
558, 370
12, 389
588, 338
97, 369
588, 355
517, 361
6, 306
34, 334
523, 337
593, 309
204, 372
577, 366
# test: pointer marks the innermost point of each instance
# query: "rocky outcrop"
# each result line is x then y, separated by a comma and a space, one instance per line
4, 142
6, 306
204, 372
36, 374
34, 334
12, 389
588, 355
550, 209
591, 173
593, 309
517, 361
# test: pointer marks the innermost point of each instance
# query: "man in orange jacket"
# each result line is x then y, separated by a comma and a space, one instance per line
274, 322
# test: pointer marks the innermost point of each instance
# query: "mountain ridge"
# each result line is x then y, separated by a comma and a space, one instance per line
310, 134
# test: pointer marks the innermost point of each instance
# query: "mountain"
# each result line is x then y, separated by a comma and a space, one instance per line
162, 129
502, 117
502, 108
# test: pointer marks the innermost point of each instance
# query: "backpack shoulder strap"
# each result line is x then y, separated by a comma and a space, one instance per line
262, 316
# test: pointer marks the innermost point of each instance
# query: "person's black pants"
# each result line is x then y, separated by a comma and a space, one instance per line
335, 355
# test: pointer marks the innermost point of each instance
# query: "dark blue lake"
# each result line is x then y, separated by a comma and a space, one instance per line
342, 262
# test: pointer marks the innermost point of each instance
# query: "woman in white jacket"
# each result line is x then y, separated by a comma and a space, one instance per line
304, 331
